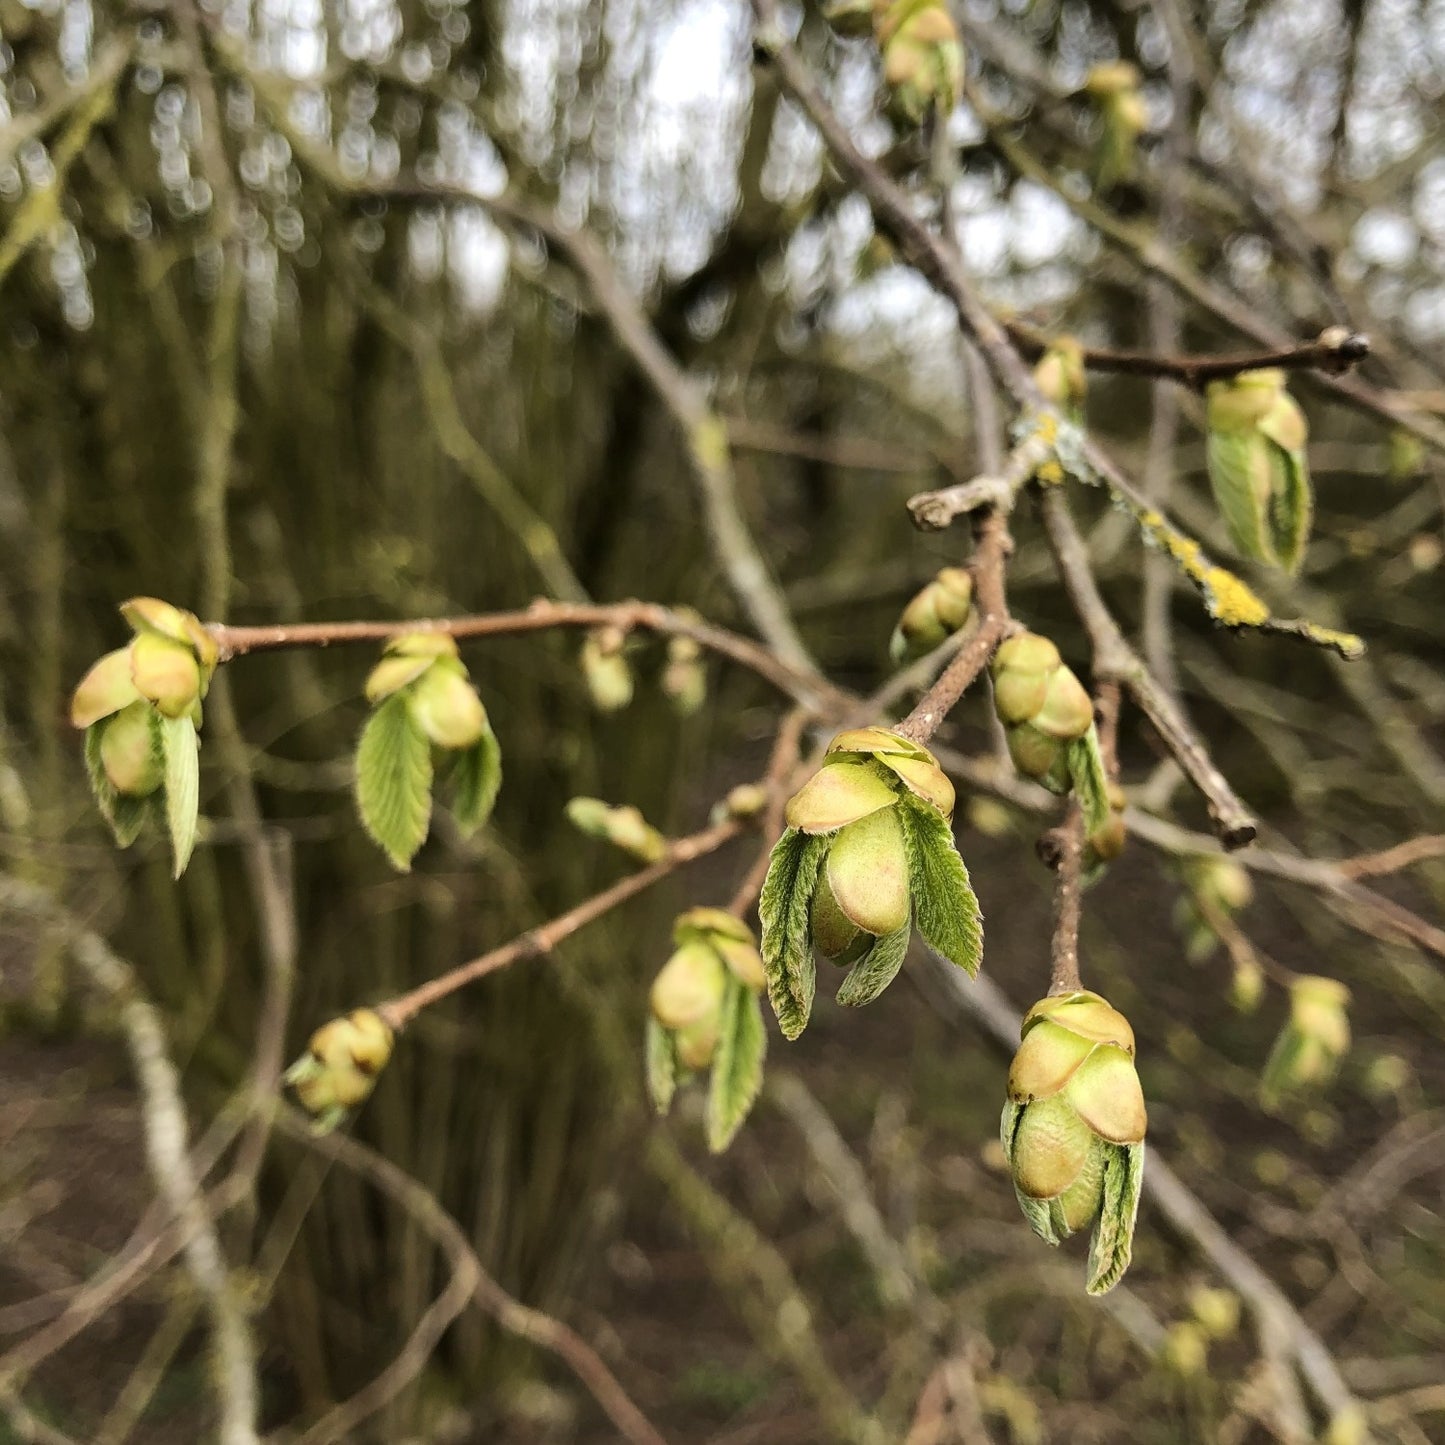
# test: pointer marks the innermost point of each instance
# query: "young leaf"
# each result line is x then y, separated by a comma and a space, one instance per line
944, 905
1234, 457
477, 777
876, 969
124, 814
661, 1065
1091, 783
180, 749
1291, 509
783, 911
737, 1067
1112, 1244
393, 781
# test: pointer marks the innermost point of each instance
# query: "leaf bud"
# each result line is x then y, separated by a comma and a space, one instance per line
1186, 1350
690, 986
922, 59
684, 678
104, 690
1315, 1038
1216, 1310
605, 669
166, 672
934, 614
446, 706
1060, 377
624, 827
340, 1066
128, 751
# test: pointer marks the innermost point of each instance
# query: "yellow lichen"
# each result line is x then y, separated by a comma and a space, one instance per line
1230, 601
1050, 472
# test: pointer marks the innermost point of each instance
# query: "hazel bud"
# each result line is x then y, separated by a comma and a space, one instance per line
690, 986
684, 679
605, 668
104, 690
1313, 1041
128, 751
624, 827
339, 1068
1186, 1351
935, 613
922, 58
1060, 377
446, 706
166, 672
1216, 1310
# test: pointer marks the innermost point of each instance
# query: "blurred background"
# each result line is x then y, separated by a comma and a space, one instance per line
267, 351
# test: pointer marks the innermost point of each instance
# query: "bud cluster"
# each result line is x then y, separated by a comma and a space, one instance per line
1073, 1128
922, 53
1123, 116
1314, 1040
425, 668
934, 614
338, 1071
705, 1014
605, 668
1042, 706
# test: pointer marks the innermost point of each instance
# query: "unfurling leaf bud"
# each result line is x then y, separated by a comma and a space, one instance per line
1060, 377
129, 751
746, 800
922, 58
1105, 844
1217, 886
935, 613
1123, 117
166, 672
624, 827
868, 851
684, 679
705, 1013
605, 669
1258, 467
104, 690
1042, 706
1246, 985
1073, 1128
446, 706
339, 1068
1314, 1039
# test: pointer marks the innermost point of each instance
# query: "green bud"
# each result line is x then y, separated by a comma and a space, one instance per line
697, 1043
935, 613
1387, 1076
605, 668
1186, 1351
446, 706
922, 59
1040, 757
1246, 987
624, 827
746, 800
1060, 377
1222, 883
924, 779
150, 614
690, 986
839, 793
1216, 1310
105, 689
339, 1068
1123, 117
1315, 1038
834, 934
729, 937
867, 872
166, 672
1406, 455
128, 751
395, 671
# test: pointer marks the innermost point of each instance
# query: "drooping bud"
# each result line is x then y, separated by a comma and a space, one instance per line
1258, 468
922, 58
164, 619
104, 690
1246, 985
1218, 887
1042, 706
746, 800
1217, 1311
1123, 116
339, 1068
605, 668
129, 751
684, 678
166, 672
446, 706
1314, 1039
1073, 1128
935, 613
1060, 377
690, 986
624, 827
1106, 843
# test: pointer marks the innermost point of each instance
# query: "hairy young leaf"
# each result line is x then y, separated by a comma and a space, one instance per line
1091, 783
944, 904
737, 1066
477, 778
661, 1065
180, 749
125, 815
1233, 457
1291, 508
876, 969
783, 911
393, 781
1112, 1244
1037, 1212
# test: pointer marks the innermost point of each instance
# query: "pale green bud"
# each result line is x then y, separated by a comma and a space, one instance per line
128, 750
446, 706
1060, 377
1216, 1310
339, 1068
605, 669
624, 827
1313, 1041
690, 986
935, 613
105, 689
166, 672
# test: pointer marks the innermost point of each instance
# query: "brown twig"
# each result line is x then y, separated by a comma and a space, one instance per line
994, 547
1391, 860
1063, 849
538, 942
803, 684
1335, 351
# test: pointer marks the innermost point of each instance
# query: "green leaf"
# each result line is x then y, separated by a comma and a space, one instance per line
1234, 458
1291, 508
944, 904
737, 1066
1112, 1244
180, 749
876, 969
783, 911
393, 780
1091, 783
476, 776
661, 1065
125, 815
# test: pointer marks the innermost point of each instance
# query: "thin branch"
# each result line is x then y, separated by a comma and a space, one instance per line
1063, 849
538, 942
800, 683
516, 1318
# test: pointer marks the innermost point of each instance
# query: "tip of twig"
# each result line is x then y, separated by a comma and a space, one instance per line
1345, 348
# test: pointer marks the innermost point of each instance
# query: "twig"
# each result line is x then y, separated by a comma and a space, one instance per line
933, 511
801, 683
1115, 660
1391, 860
516, 1318
175, 1177
538, 942
1064, 851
